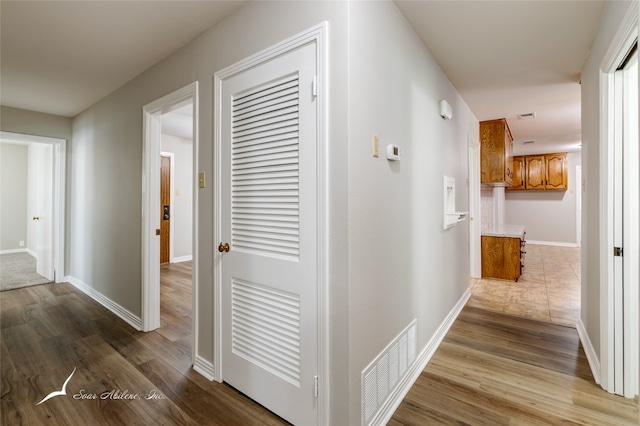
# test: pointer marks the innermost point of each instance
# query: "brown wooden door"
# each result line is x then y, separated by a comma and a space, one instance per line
165, 207
535, 172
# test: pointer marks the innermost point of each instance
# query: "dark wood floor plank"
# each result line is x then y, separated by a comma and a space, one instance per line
49, 330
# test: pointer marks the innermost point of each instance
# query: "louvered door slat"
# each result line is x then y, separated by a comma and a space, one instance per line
265, 170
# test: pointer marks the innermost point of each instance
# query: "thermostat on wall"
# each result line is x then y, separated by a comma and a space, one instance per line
393, 153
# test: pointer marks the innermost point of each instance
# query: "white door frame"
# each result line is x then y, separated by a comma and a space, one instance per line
578, 189
475, 226
59, 193
172, 157
623, 40
317, 35
152, 130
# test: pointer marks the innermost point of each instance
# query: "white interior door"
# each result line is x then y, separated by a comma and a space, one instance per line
625, 230
269, 219
44, 209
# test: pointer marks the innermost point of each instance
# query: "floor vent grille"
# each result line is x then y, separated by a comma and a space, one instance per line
380, 378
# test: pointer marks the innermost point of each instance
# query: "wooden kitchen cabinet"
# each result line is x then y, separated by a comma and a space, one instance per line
496, 153
535, 174
541, 172
519, 169
502, 257
556, 171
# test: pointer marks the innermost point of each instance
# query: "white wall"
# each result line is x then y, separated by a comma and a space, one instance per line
13, 196
402, 264
590, 77
548, 216
182, 208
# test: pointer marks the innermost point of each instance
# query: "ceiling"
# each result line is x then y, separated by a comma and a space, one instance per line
505, 57
60, 57
514, 57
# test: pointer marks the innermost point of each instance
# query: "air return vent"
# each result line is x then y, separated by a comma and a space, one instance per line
528, 142
527, 116
381, 377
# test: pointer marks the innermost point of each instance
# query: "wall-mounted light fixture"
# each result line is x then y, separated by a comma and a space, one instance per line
445, 110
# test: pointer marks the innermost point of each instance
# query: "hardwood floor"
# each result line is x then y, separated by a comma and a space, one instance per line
497, 369
491, 369
49, 330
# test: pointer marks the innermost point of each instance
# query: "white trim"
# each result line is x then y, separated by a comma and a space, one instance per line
204, 367
152, 126
172, 157
22, 250
122, 313
59, 192
318, 35
589, 350
33, 253
551, 243
475, 215
578, 189
182, 259
622, 41
384, 414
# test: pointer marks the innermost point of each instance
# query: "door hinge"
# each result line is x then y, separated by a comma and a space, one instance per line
315, 386
617, 251
314, 87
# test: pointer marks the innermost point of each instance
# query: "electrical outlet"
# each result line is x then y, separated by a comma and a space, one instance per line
21, 243
374, 145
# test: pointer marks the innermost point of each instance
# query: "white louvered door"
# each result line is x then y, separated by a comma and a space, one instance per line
269, 276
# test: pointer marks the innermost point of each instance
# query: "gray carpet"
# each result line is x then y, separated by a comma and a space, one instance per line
18, 270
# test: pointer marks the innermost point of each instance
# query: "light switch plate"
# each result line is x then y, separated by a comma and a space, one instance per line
374, 145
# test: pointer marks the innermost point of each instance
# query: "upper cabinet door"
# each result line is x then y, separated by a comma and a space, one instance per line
536, 177
519, 168
556, 171
496, 158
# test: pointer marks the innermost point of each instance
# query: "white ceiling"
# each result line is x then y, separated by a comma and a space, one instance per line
504, 57
60, 57
512, 57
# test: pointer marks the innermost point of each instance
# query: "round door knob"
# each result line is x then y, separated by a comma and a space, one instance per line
223, 247
36, 218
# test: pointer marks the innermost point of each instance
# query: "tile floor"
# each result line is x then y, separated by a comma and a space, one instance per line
548, 290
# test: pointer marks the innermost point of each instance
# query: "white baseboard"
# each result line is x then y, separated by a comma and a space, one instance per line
11, 251
182, 259
383, 416
32, 253
551, 243
124, 314
204, 367
592, 357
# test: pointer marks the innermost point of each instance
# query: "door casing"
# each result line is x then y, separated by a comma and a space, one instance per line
152, 126
59, 193
623, 40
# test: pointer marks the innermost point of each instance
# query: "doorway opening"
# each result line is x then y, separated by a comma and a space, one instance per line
169, 292
36, 197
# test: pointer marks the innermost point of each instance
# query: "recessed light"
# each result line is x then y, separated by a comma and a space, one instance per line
527, 116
